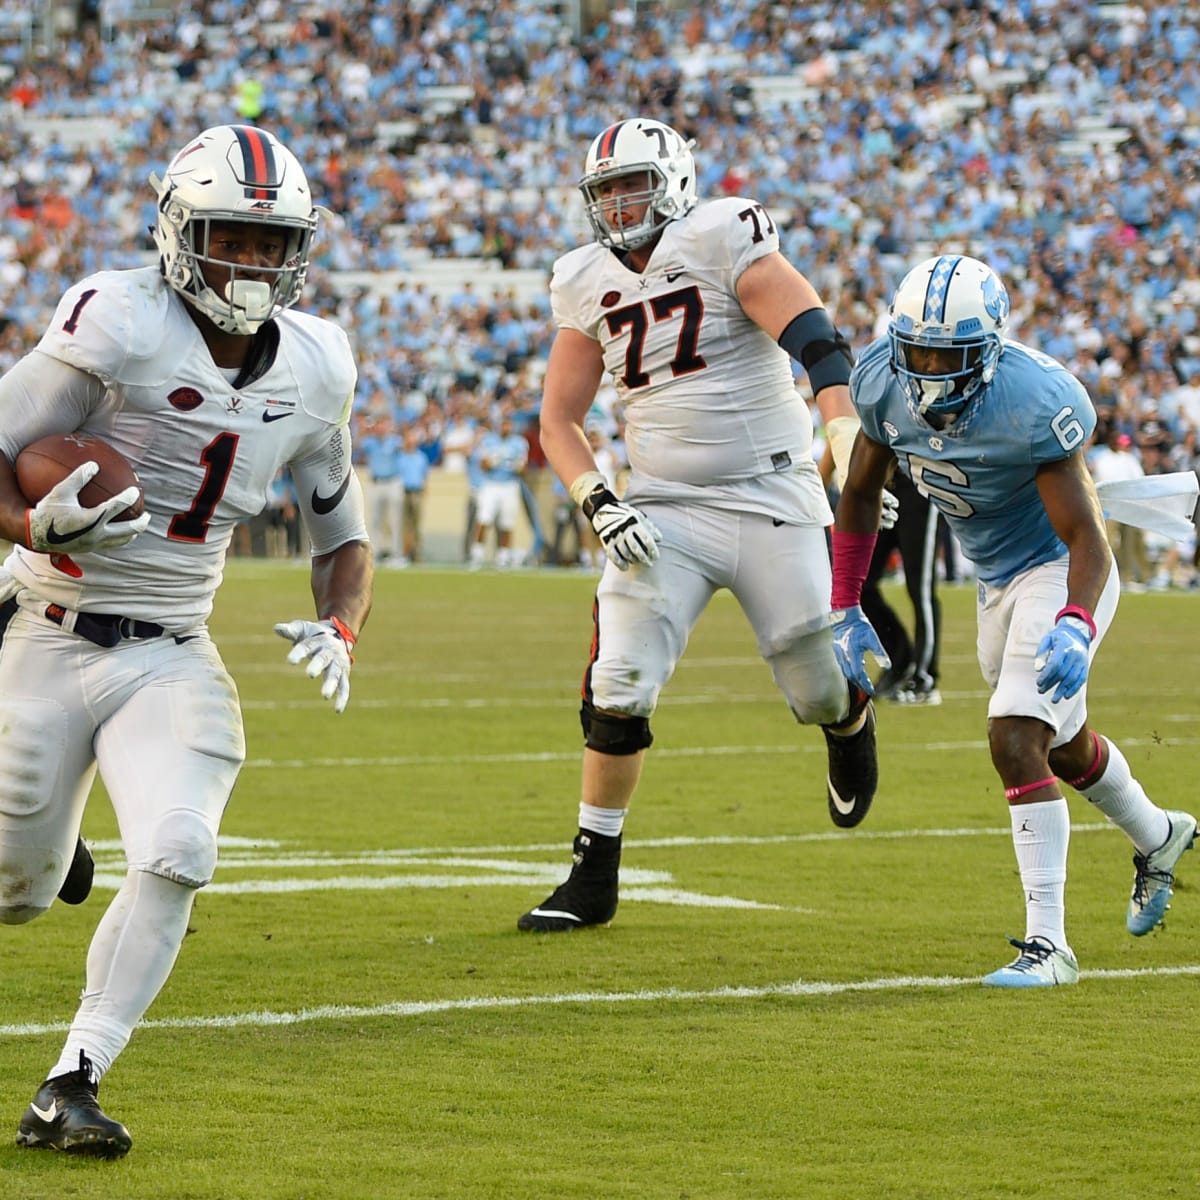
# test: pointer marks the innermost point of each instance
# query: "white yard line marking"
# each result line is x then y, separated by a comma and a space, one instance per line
439, 760
244, 853
419, 1008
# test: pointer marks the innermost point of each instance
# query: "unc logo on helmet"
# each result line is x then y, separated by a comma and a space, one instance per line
234, 173
947, 332
627, 149
995, 298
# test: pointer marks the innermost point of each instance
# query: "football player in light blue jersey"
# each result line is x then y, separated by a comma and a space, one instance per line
993, 432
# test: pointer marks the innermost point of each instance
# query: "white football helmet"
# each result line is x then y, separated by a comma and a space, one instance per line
233, 173
629, 147
948, 303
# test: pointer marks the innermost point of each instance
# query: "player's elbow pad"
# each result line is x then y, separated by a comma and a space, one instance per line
813, 341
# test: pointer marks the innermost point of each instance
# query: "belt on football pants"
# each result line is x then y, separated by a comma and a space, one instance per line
102, 629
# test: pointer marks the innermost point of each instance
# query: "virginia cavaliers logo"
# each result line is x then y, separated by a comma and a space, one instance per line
185, 399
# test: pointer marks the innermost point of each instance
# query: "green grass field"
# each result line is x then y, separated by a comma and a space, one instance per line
780, 1009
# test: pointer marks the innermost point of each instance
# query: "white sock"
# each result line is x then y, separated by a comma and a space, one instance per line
477, 552
1124, 802
1041, 832
131, 956
605, 821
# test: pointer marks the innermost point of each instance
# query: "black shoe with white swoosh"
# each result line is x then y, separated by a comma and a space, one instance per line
589, 895
853, 766
64, 1115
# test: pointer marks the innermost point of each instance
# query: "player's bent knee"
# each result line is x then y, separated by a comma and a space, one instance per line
607, 733
808, 676
184, 848
19, 914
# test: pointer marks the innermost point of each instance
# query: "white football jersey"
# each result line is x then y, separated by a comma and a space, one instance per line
206, 452
709, 398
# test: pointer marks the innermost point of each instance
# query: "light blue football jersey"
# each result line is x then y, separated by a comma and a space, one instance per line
981, 471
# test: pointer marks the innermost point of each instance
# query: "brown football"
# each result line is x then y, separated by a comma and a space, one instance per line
51, 459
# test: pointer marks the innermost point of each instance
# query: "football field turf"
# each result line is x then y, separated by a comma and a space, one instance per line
780, 1008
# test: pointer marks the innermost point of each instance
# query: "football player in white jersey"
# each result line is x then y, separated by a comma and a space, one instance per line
200, 372
994, 433
696, 315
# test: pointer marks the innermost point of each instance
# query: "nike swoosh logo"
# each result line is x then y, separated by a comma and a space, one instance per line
61, 539
322, 505
845, 807
672, 278
271, 415
554, 912
46, 1114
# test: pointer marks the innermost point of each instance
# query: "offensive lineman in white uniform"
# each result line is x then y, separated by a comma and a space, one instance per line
694, 312
198, 373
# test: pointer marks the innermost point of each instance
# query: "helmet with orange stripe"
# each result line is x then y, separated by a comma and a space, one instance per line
233, 174
639, 175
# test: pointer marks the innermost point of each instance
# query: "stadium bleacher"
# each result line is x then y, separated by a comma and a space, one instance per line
875, 134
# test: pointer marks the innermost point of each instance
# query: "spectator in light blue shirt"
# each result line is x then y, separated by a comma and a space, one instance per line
502, 455
414, 467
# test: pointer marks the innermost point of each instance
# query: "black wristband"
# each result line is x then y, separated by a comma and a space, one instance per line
597, 498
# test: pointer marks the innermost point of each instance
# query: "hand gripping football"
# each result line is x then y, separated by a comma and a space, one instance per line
49, 460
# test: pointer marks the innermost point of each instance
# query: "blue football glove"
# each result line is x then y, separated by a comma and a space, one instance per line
854, 637
1063, 658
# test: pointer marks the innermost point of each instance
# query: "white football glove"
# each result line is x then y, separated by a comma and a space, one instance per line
890, 513
59, 524
627, 534
327, 649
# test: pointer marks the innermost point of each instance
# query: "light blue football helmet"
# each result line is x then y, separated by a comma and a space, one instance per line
950, 302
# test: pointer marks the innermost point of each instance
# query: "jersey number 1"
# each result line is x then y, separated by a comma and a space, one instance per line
218, 456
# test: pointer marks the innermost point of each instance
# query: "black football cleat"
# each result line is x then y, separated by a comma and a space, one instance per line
853, 766
78, 884
64, 1115
589, 895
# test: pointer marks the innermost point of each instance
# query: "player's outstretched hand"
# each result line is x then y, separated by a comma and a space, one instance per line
1063, 658
626, 533
327, 649
59, 524
854, 637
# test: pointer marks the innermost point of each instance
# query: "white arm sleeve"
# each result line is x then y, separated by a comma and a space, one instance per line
330, 496
42, 395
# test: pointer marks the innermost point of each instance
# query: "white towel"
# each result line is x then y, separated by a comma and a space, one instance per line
1164, 504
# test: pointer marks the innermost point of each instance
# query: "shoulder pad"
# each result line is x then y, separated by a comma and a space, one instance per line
319, 355
110, 320
731, 232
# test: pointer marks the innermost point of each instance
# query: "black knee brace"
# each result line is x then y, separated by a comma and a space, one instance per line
609, 734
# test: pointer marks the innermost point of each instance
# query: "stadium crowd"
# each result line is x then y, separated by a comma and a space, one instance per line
1059, 141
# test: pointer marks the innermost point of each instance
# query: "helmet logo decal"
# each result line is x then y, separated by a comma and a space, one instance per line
995, 299
656, 131
260, 173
